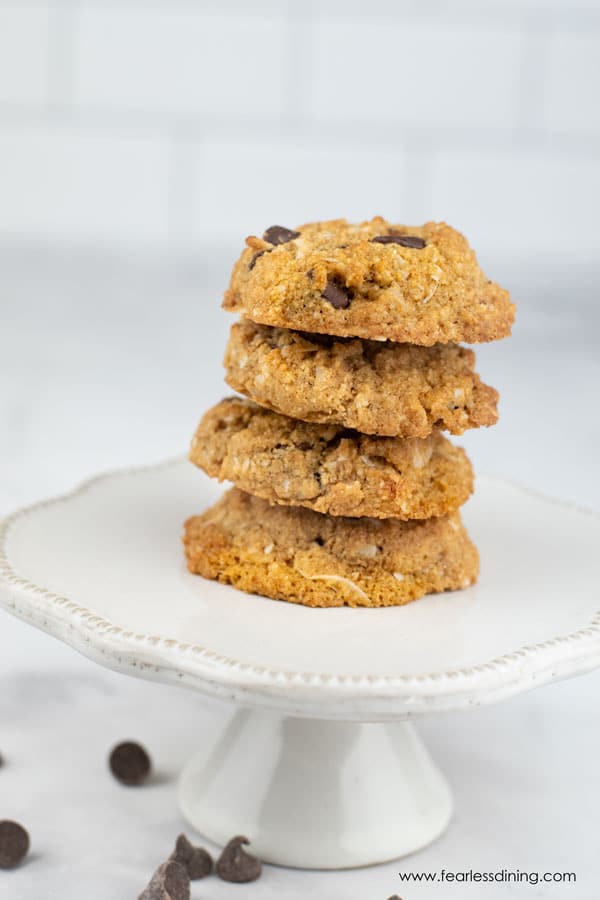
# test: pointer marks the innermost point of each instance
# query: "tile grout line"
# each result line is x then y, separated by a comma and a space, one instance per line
135, 123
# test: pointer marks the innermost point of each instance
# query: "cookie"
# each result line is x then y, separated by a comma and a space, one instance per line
375, 280
295, 554
329, 468
397, 390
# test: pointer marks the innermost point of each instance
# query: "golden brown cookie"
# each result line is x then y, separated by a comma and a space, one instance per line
398, 390
329, 468
374, 280
295, 554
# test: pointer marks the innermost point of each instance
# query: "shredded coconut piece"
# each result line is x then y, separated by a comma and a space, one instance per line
430, 294
369, 550
369, 461
422, 455
436, 279
268, 548
339, 578
398, 576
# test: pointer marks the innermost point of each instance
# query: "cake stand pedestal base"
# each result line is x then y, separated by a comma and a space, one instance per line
316, 794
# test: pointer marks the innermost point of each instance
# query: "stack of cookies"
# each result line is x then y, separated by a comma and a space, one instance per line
346, 491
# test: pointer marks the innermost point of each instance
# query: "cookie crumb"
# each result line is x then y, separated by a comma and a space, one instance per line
336, 295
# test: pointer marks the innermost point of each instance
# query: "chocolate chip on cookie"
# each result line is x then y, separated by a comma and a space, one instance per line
277, 234
405, 240
254, 258
336, 295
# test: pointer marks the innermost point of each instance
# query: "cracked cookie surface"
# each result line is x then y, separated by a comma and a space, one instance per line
396, 390
302, 556
329, 468
375, 280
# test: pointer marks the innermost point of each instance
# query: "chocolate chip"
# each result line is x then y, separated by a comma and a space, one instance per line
234, 864
14, 844
310, 274
170, 882
197, 860
129, 763
254, 258
336, 295
277, 234
305, 445
405, 240
319, 540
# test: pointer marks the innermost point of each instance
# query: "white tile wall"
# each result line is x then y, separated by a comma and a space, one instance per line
572, 96
167, 123
289, 181
59, 183
523, 204
23, 53
181, 61
416, 73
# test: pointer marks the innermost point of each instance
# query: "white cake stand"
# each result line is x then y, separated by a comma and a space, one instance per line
298, 768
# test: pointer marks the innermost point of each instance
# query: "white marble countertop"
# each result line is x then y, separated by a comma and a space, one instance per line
105, 364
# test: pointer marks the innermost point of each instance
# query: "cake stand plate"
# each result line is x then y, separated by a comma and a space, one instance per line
318, 765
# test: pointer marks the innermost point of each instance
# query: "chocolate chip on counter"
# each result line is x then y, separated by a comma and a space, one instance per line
234, 864
130, 763
277, 234
336, 295
197, 860
14, 844
170, 882
405, 240
254, 258
1, 760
